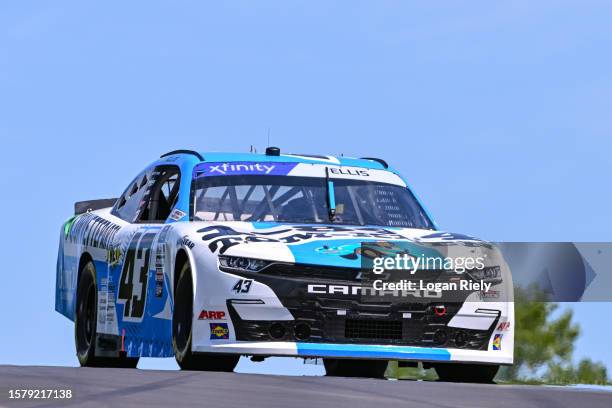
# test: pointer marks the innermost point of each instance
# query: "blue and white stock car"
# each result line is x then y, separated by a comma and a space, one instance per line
209, 257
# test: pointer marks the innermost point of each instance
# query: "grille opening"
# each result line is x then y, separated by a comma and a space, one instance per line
373, 329
312, 272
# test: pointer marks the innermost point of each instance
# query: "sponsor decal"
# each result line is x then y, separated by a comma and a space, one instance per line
160, 260
219, 331
177, 214
347, 249
497, 342
113, 256
212, 315
187, 242
489, 294
503, 326
94, 231
106, 304
159, 282
221, 238
381, 250
243, 168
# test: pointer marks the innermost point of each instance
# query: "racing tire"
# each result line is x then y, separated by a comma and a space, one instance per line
85, 324
182, 318
355, 368
468, 373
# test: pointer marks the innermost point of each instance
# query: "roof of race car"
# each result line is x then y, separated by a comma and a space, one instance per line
187, 159
291, 158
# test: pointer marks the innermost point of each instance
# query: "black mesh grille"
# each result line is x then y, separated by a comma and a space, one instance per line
372, 329
311, 272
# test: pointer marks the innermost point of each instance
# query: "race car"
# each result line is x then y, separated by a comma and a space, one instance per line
211, 256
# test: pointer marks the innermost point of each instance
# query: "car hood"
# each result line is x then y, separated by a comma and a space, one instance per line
315, 244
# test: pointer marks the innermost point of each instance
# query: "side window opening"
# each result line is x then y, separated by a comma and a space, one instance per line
128, 205
162, 195
151, 197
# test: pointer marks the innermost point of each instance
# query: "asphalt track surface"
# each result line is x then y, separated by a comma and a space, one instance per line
94, 387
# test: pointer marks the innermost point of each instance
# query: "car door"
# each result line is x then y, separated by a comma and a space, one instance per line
145, 208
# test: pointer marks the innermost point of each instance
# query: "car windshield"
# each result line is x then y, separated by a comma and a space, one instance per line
291, 199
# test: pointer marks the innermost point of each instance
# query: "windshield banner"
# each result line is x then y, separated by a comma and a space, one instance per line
243, 168
272, 168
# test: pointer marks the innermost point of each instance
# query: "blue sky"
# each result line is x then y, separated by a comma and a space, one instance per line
498, 113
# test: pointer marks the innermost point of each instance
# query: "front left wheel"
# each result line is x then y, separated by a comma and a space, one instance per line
85, 324
182, 318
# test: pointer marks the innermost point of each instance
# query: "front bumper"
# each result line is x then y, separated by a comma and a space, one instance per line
350, 326
359, 351
341, 321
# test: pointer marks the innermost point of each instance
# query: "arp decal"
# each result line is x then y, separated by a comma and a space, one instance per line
489, 294
243, 168
503, 326
134, 276
211, 315
219, 331
221, 238
497, 342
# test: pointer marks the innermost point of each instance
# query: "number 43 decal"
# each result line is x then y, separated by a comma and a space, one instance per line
242, 286
134, 276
